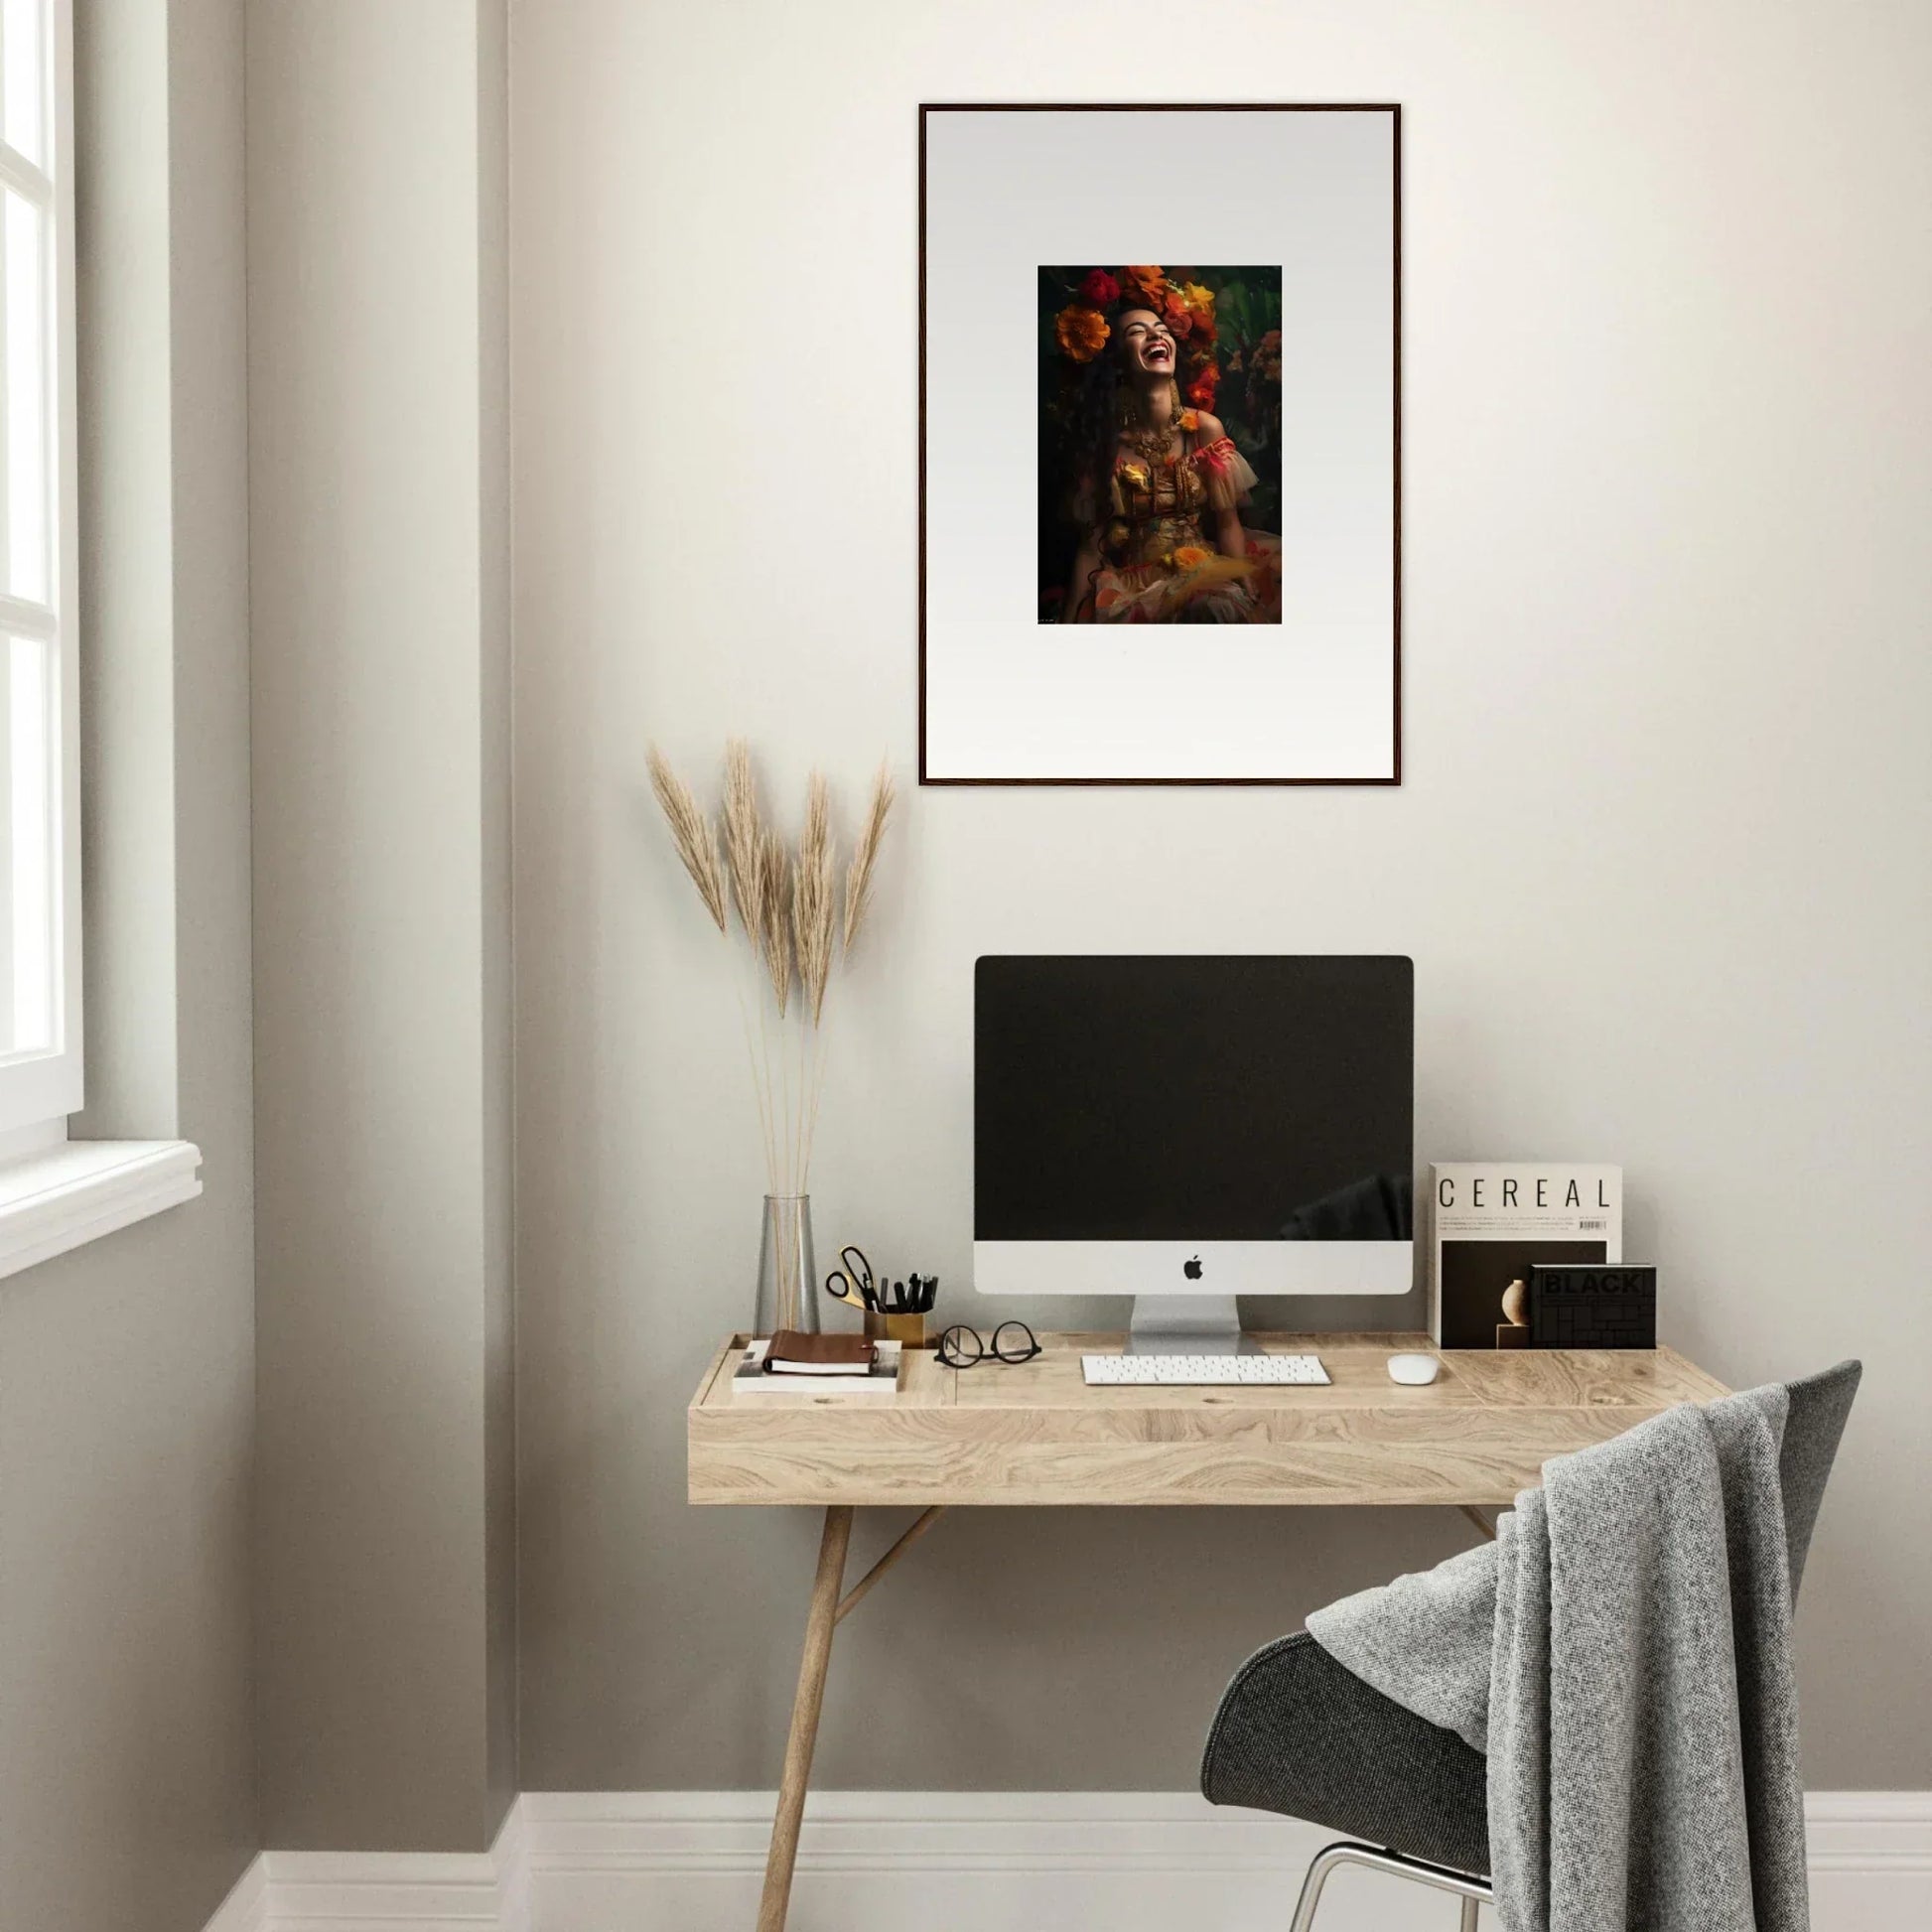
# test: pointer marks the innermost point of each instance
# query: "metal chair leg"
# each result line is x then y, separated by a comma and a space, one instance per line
1472, 1891
1325, 1863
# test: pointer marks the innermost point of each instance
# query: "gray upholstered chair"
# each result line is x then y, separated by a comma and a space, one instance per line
1298, 1734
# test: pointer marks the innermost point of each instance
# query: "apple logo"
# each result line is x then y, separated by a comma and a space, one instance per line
1191, 1269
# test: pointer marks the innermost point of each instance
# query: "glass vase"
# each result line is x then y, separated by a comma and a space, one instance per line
787, 1274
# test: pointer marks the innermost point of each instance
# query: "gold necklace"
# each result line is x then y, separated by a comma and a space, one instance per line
1152, 444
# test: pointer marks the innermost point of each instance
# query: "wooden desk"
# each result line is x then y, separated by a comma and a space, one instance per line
1034, 1433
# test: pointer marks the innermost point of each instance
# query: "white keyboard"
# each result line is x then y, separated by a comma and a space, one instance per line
1202, 1371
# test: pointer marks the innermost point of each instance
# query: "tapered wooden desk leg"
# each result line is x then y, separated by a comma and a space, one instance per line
819, 1620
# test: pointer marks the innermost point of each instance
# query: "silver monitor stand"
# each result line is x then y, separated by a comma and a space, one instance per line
1187, 1325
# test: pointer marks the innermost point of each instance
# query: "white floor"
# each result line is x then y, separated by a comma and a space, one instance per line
938, 1862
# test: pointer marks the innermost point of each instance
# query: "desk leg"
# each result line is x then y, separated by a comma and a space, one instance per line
819, 1620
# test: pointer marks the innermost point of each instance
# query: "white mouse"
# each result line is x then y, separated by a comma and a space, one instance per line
1415, 1370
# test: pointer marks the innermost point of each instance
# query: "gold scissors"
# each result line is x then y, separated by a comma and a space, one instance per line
852, 1281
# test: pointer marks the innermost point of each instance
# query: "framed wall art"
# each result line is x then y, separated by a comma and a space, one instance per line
1160, 453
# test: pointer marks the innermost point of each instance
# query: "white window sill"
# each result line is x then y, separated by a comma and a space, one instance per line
78, 1190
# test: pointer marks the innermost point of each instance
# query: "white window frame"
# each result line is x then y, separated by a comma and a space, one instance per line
54, 1193
40, 1089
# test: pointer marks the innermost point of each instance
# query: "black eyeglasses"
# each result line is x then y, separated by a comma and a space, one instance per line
1013, 1341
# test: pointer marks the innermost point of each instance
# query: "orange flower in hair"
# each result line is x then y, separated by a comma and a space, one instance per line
1081, 331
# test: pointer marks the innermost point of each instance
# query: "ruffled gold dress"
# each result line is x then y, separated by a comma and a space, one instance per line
1157, 566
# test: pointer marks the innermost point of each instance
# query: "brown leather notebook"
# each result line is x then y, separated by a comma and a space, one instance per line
793, 1354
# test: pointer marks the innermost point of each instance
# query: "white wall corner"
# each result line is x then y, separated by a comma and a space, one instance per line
511, 1857
245, 1909
372, 1891
869, 1862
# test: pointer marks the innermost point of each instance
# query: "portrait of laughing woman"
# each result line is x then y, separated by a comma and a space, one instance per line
1142, 482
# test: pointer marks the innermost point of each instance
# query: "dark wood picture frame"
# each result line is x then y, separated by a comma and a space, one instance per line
1391, 108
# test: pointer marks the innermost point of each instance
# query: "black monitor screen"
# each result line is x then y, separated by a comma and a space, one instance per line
1193, 1099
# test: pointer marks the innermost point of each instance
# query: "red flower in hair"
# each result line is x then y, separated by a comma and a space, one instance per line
1200, 391
1100, 289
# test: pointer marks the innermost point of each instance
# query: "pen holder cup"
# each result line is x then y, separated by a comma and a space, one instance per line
909, 1330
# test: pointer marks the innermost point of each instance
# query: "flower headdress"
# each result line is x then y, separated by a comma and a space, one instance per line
1187, 309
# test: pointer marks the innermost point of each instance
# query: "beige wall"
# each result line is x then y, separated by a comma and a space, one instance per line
377, 431
127, 1799
493, 912
1660, 855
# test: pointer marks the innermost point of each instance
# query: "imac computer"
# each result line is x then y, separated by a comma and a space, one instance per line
1186, 1129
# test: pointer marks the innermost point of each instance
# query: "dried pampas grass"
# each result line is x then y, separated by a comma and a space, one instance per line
865, 855
744, 834
691, 833
788, 909
774, 918
814, 898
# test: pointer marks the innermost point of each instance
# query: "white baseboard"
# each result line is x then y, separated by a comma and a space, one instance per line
954, 1861
1870, 1855
245, 1909
379, 1891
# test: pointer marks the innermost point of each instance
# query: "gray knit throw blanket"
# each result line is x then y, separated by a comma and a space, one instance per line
1622, 1652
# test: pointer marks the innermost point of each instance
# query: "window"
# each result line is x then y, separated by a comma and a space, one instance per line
40, 871
54, 1193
